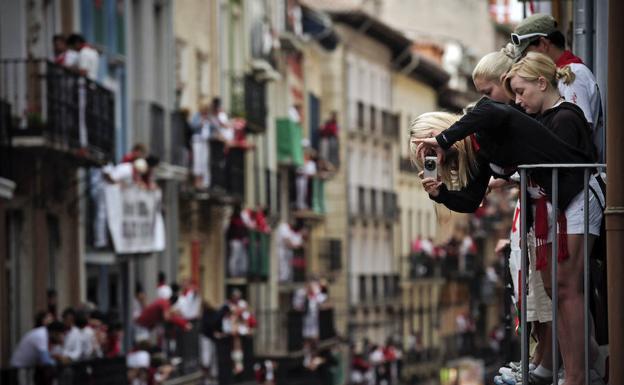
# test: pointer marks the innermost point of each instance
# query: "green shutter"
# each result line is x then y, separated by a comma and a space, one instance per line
289, 149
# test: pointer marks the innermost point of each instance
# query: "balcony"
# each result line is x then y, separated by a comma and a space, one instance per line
289, 149
99, 371
315, 200
227, 171
270, 340
52, 107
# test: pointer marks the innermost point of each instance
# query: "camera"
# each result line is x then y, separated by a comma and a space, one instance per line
431, 167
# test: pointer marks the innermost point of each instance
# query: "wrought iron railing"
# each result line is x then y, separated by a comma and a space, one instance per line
52, 101
588, 170
100, 371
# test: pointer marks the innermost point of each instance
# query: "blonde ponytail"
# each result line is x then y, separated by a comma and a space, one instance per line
535, 65
565, 73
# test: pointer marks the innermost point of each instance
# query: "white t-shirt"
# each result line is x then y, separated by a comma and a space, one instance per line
164, 292
71, 58
285, 234
29, 350
584, 92
88, 344
89, 60
121, 173
72, 344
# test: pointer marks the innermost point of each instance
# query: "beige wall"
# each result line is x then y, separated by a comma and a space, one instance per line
466, 21
196, 34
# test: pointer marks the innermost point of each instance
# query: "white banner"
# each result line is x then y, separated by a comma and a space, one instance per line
135, 219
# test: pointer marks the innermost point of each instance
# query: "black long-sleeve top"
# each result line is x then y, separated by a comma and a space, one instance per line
508, 138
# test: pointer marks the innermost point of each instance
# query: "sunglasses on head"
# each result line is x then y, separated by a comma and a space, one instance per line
518, 39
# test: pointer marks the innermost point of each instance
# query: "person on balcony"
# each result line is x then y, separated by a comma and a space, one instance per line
34, 347
289, 238
63, 55
211, 329
238, 238
220, 122
329, 140
309, 300
201, 126
88, 58
161, 311
238, 321
304, 174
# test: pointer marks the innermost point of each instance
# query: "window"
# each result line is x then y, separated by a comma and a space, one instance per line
373, 118
387, 286
360, 115
362, 288
374, 287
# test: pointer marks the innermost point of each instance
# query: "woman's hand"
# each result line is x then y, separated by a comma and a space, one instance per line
431, 186
428, 145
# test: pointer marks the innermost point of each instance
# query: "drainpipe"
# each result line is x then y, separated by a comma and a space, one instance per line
614, 213
584, 31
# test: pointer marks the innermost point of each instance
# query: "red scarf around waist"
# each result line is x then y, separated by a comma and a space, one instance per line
541, 234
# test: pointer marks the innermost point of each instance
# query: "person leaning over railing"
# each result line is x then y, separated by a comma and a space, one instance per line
488, 77
493, 139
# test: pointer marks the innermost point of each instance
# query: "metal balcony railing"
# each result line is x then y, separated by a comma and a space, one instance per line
101, 371
270, 339
227, 169
555, 168
50, 101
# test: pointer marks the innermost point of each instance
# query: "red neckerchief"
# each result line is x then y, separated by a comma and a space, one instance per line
567, 57
475, 144
541, 234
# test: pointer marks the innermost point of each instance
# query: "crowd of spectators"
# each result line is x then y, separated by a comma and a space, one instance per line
78, 334
376, 364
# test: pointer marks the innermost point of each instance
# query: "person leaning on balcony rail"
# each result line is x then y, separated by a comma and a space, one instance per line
488, 77
202, 131
493, 139
309, 301
533, 81
63, 55
34, 347
329, 139
88, 58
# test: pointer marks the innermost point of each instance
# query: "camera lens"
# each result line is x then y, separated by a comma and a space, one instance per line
430, 165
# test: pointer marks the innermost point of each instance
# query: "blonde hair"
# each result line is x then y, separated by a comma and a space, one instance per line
460, 165
493, 66
535, 65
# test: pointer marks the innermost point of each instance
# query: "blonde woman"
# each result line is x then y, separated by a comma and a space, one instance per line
534, 83
488, 78
489, 73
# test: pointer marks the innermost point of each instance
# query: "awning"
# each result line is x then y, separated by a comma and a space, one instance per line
319, 26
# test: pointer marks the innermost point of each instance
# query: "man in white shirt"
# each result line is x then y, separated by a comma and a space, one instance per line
288, 239
72, 349
34, 348
88, 57
539, 33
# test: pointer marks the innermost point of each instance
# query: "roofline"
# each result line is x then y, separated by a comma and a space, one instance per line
407, 61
